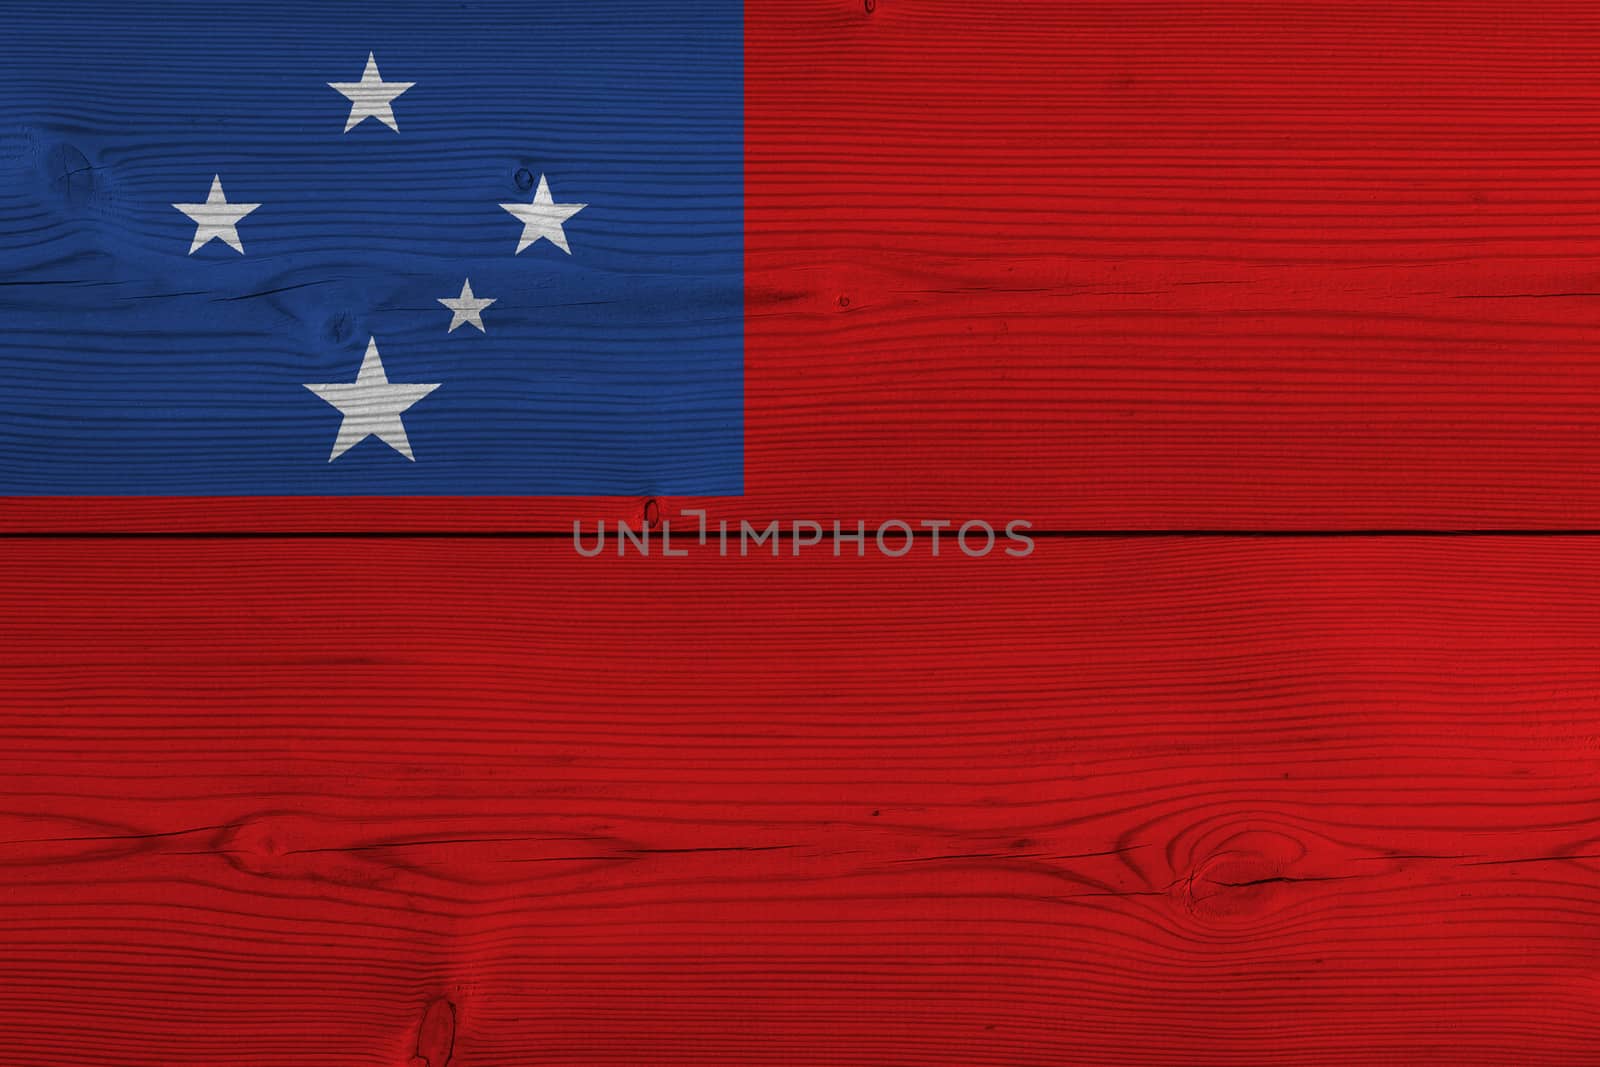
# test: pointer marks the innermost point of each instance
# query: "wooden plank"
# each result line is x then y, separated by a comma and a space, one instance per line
1159, 802
1158, 265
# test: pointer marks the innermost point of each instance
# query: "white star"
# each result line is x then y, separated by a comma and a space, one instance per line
371, 406
466, 308
371, 96
216, 218
543, 218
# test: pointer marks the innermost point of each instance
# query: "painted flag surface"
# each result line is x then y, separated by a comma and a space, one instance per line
295, 777
306, 250
1101, 266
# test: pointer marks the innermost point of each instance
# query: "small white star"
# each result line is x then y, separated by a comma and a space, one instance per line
466, 308
543, 218
216, 218
371, 96
371, 406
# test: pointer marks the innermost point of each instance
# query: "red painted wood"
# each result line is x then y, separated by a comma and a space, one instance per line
1175, 264
1219, 802
1182, 264
1231, 802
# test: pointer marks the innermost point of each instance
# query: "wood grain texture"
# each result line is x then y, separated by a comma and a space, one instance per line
1191, 802
1168, 264
1175, 264
137, 365
1175, 802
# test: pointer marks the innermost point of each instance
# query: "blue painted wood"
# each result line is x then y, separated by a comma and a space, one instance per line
132, 367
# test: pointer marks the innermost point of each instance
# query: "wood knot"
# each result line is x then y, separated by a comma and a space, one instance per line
287, 844
340, 327
1232, 886
436, 1034
256, 842
1243, 875
71, 174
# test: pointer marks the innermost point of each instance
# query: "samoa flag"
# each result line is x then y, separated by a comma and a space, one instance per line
312, 249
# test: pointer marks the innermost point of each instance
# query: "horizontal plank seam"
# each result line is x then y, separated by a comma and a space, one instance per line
782, 535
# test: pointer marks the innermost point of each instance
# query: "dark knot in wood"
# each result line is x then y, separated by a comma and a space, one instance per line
436, 1036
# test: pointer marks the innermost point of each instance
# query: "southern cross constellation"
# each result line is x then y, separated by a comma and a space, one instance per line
372, 405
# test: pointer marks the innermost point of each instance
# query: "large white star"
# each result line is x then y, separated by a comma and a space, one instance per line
543, 218
371, 96
371, 406
216, 218
466, 308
